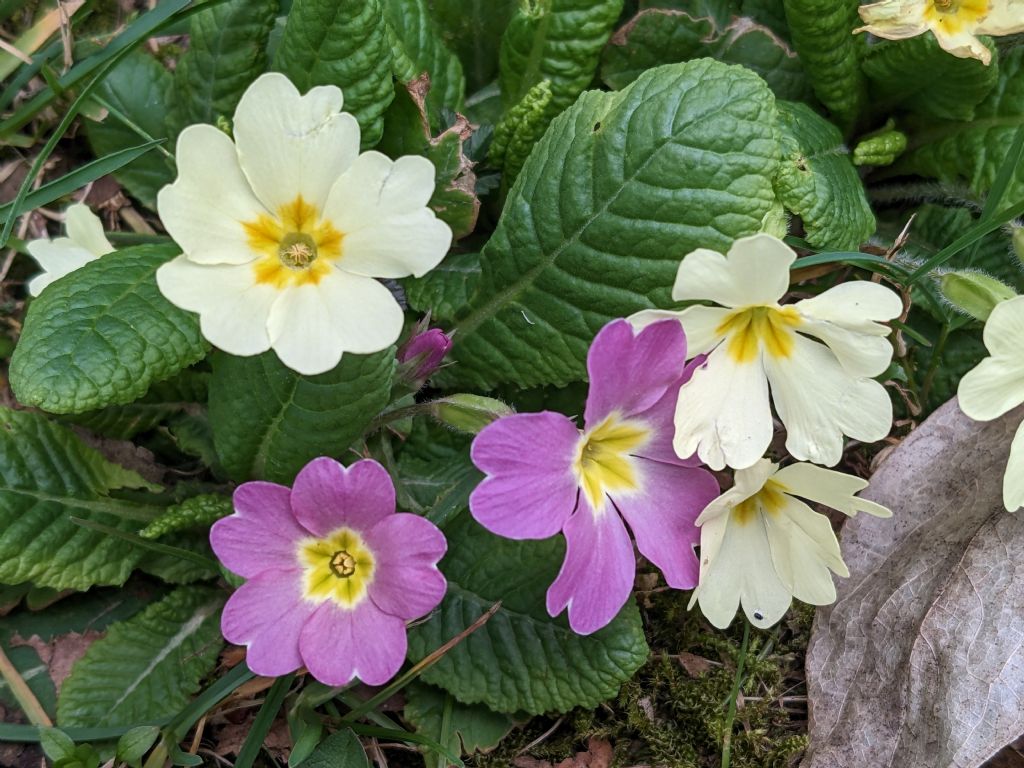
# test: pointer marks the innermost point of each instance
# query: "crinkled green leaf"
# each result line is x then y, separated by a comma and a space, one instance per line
137, 88
880, 148
521, 659
226, 52
339, 750
147, 667
174, 569
269, 421
471, 727
445, 289
473, 29
658, 36
555, 40
103, 334
622, 186
519, 131
343, 43
917, 76
47, 475
972, 152
197, 512
822, 32
817, 181
417, 47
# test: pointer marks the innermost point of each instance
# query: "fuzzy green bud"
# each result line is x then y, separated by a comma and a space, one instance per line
468, 413
1018, 243
974, 293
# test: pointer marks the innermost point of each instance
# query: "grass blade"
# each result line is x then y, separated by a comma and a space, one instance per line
264, 719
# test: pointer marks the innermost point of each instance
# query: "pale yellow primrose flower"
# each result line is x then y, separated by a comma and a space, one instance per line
760, 546
955, 23
996, 385
822, 387
85, 242
284, 229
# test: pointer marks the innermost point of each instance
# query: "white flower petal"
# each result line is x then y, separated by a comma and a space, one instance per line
85, 229
396, 246
1005, 18
1013, 480
756, 271
312, 325
291, 144
701, 325
204, 208
804, 548
826, 486
746, 482
723, 413
993, 387
643, 318
819, 402
1004, 329
57, 258
741, 571
233, 308
894, 19
963, 44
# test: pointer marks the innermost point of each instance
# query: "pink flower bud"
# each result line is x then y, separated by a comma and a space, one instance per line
423, 353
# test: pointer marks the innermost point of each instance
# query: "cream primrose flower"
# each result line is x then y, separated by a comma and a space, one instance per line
284, 230
85, 242
955, 23
760, 546
822, 389
996, 385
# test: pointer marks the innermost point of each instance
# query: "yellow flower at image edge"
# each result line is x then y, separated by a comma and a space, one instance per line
955, 23
85, 242
285, 230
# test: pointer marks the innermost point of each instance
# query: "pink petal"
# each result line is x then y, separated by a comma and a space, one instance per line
327, 495
530, 491
266, 614
628, 373
597, 575
365, 642
662, 514
406, 582
261, 534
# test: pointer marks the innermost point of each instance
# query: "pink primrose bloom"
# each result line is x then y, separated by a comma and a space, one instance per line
333, 573
545, 476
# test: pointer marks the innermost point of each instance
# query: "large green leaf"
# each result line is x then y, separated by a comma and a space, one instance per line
818, 182
343, 43
622, 186
137, 88
47, 476
226, 52
470, 727
916, 75
269, 421
521, 659
661, 36
147, 667
418, 48
444, 290
339, 750
103, 335
556, 40
473, 29
822, 35
972, 152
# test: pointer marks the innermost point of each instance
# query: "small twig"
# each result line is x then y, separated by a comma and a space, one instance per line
200, 727
23, 694
543, 737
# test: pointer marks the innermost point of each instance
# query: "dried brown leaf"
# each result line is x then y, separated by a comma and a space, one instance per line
598, 755
920, 660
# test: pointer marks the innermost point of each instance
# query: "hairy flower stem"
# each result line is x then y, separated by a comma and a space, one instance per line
731, 715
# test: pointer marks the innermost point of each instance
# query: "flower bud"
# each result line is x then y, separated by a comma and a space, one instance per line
421, 355
468, 413
1018, 243
974, 293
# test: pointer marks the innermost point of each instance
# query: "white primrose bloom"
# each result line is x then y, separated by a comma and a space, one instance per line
285, 229
760, 546
955, 23
822, 387
996, 385
85, 242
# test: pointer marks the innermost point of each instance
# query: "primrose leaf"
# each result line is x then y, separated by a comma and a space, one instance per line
472, 727
47, 476
473, 30
343, 43
822, 32
147, 667
521, 659
137, 88
269, 421
227, 50
818, 181
103, 335
622, 186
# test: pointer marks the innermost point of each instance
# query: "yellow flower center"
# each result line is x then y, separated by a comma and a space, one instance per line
769, 500
748, 328
954, 16
338, 567
296, 247
603, 461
